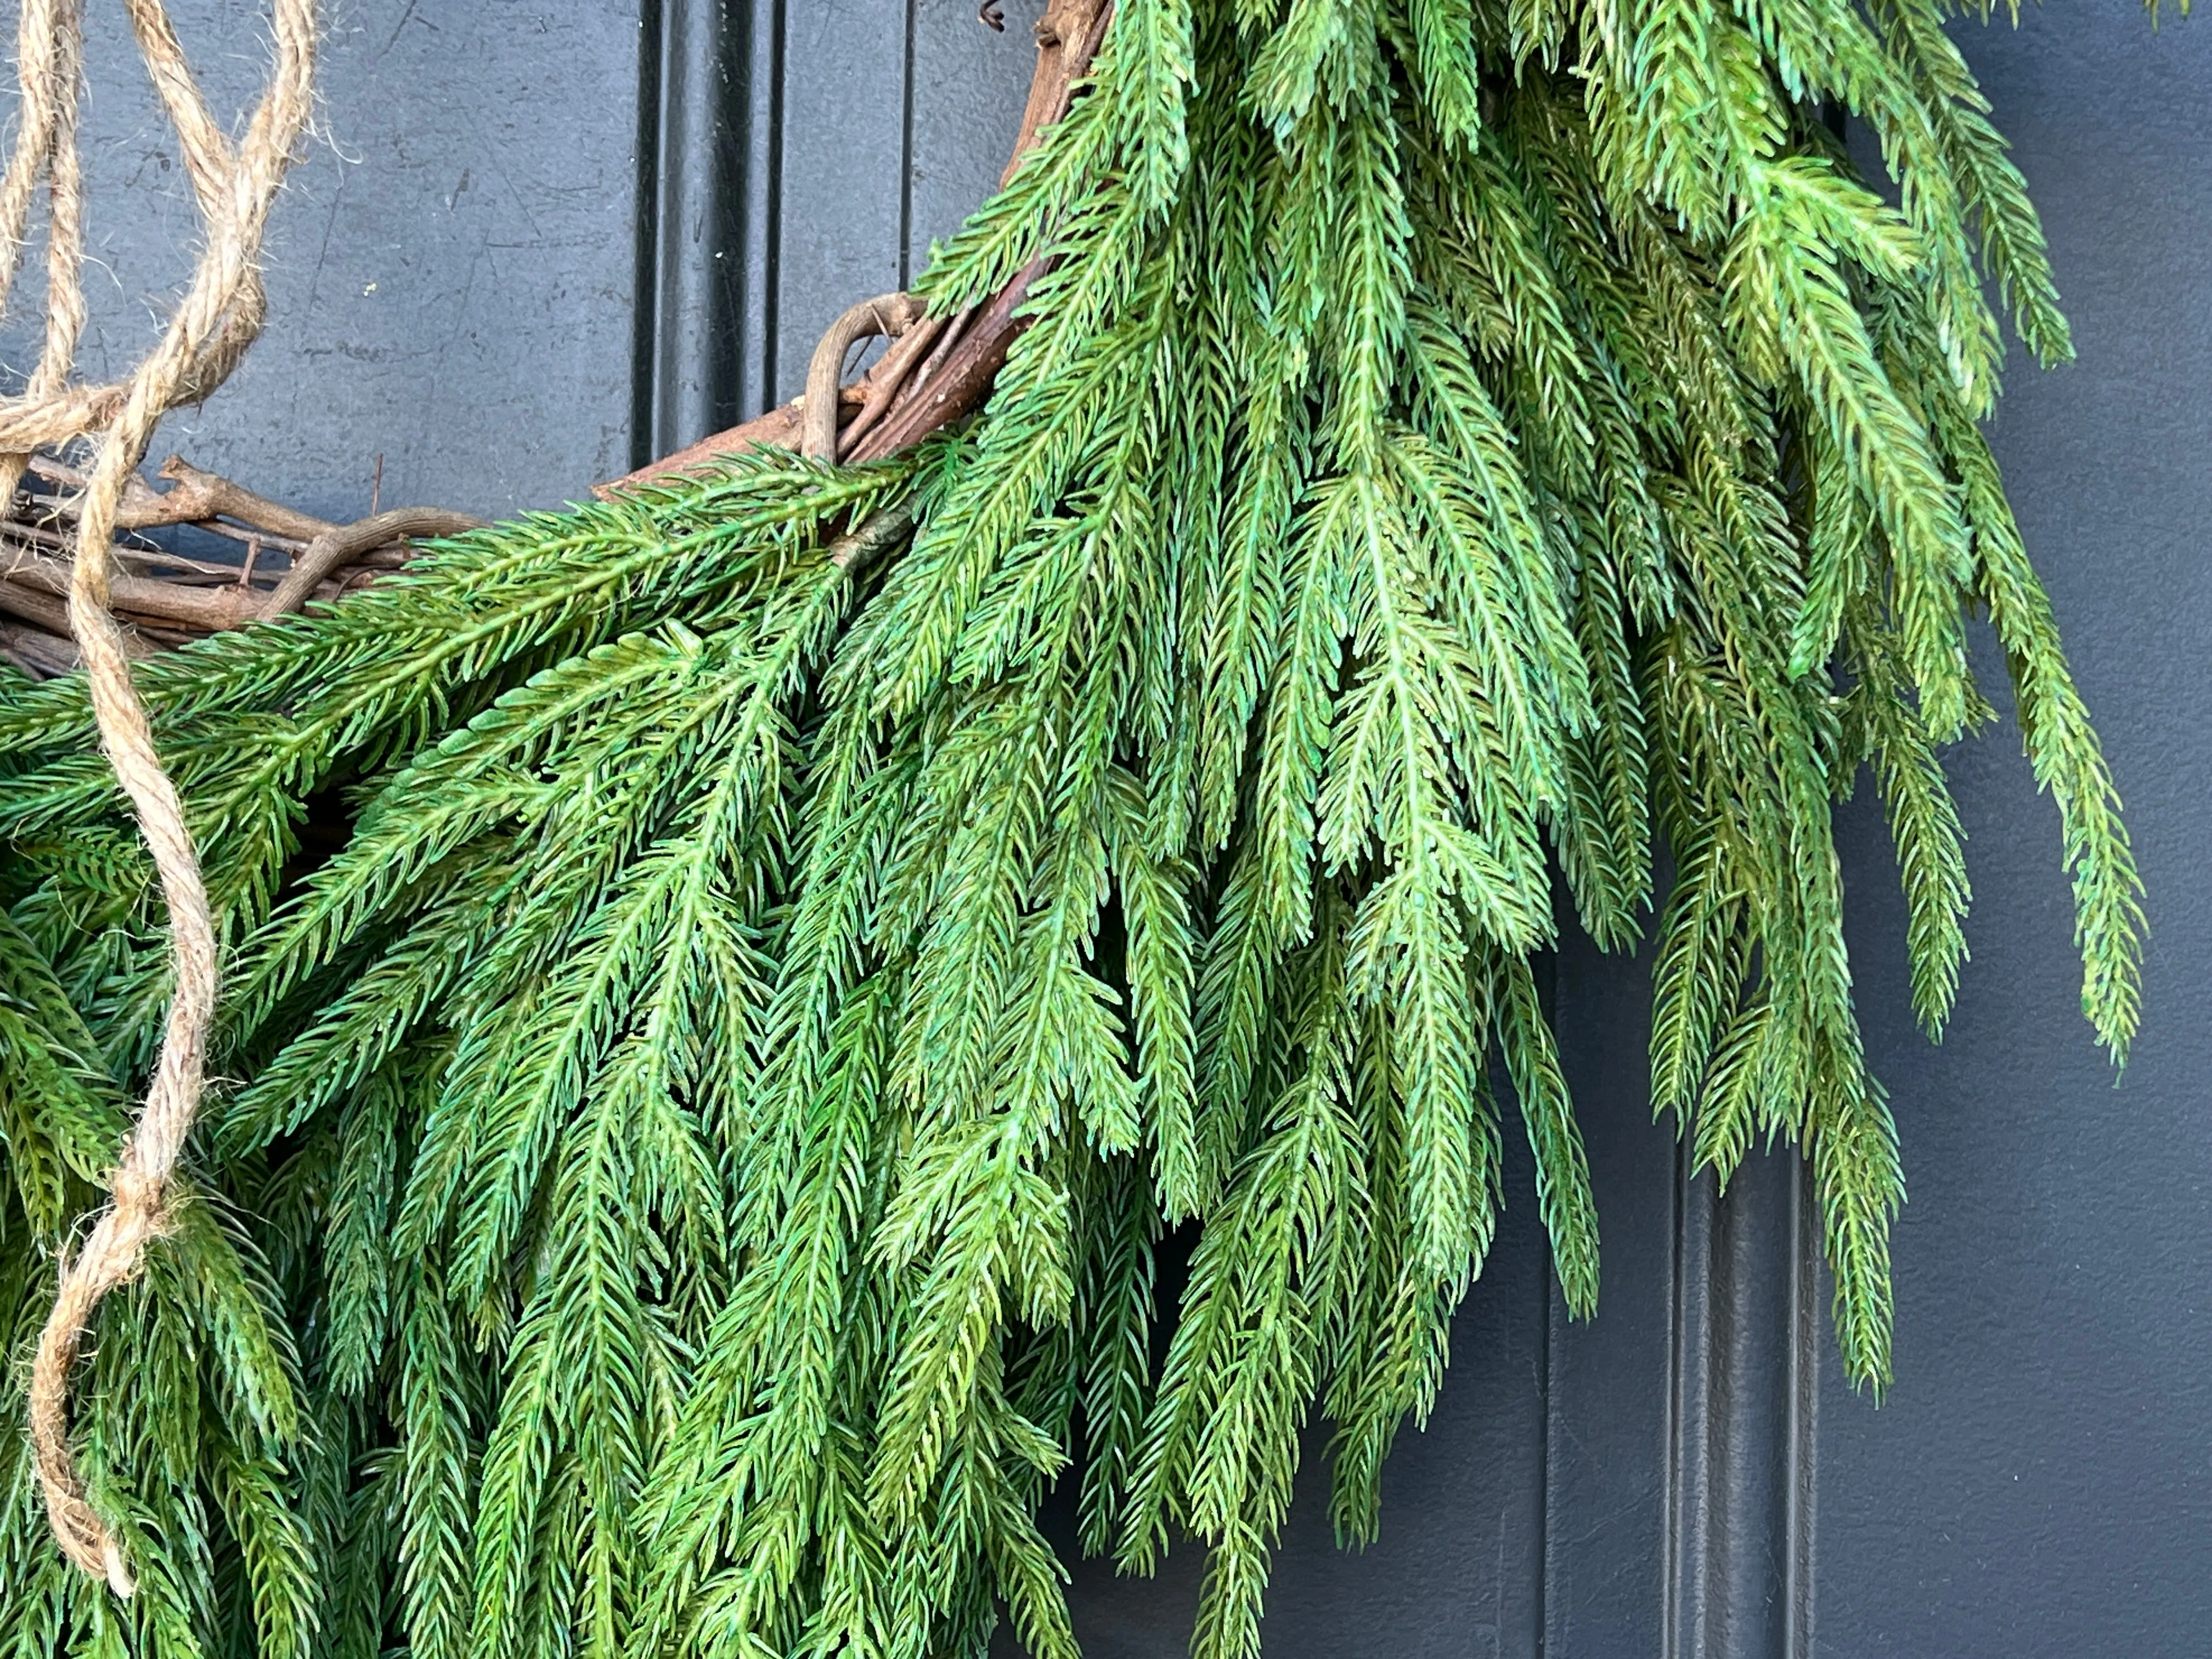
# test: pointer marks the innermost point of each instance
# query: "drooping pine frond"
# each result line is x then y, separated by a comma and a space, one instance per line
694, 1156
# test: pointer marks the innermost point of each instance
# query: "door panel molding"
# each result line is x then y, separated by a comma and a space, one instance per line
1744, 1396
710, 153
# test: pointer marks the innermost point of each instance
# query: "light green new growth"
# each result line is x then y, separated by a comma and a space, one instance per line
696, 1153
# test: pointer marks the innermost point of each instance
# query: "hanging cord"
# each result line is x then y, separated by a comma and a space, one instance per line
50, 49
222, 313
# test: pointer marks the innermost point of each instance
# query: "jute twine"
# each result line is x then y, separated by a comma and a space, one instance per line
222, 313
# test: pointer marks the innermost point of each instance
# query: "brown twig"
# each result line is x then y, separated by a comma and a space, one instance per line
39, 652
962, 380
35, 605
176, 564
1068, 37
41, 535
192, 596
955, 332
340, 544
199, 496
780, 428
206, 609
875, 535
889, 375
268, 538
887, 313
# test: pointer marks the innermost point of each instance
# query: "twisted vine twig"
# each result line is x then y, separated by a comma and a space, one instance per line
192, 597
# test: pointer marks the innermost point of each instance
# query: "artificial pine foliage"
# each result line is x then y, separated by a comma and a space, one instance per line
693, 1157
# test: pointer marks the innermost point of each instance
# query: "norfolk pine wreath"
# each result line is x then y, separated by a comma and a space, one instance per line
688, 1167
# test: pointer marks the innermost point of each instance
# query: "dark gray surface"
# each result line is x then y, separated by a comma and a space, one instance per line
970, 86
1685, 1475
2040, 1481
451, 269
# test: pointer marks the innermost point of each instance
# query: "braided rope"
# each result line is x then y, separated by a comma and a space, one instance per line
221, 312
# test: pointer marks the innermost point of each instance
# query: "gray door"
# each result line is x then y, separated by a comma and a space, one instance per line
539, 241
